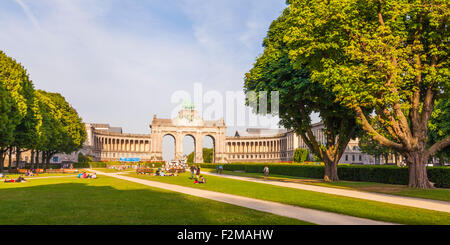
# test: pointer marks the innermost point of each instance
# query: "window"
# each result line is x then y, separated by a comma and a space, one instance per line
346, 158
353, 158
360, 158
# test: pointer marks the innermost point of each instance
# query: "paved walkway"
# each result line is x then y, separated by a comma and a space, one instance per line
399, 200
305, 214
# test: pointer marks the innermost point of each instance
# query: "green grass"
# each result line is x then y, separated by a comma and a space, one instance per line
15, 176
110, 201
441, 194
309, 199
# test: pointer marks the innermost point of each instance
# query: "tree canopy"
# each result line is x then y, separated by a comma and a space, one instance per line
61, 130
34, 120
299, 97
387, 55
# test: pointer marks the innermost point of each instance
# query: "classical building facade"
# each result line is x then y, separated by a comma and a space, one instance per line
106, 143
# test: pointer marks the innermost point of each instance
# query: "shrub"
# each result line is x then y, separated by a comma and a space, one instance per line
300, 155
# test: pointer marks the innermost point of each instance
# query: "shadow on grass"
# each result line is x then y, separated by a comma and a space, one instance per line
129, 204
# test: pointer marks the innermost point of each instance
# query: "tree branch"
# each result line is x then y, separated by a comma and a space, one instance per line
376, 136
437, 147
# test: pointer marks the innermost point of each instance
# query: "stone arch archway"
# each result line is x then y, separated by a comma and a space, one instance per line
213, 160
188, 123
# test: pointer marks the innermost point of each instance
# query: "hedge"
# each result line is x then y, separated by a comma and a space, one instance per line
440, 176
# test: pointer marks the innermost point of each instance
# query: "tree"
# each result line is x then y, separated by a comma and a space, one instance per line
387, 55
370, 146
207, 156
298, 98
19, 98
439, 128
61, 129
300, 155
6, 122
84, 159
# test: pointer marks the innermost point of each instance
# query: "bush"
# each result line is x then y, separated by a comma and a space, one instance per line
300, 155
370, 173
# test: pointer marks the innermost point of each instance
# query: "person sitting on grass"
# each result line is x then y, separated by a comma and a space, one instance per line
162, 173
94, 176
84, 175
80, 175
202, 180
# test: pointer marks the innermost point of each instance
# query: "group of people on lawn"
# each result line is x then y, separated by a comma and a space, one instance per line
199, 178
18, 180
85, 175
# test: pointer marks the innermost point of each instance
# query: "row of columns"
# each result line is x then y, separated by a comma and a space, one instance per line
258, 146
125, 145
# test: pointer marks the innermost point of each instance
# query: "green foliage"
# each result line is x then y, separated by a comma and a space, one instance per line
369, 173
300, 155
18, 106
207, 156
299, 96
62, 129
84, 159
390, 55
439, 127
370, 146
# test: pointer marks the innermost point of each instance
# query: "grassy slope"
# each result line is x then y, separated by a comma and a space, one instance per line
309, 199
401, 190
112, 201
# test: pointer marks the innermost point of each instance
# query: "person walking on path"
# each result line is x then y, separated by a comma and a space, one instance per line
266, 172
220, 169
192, 171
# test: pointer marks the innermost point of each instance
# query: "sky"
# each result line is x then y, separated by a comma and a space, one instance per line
119, 62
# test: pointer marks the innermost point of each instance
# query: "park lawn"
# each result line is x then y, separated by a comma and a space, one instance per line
309, 199
111, 201
15, 176
442, 194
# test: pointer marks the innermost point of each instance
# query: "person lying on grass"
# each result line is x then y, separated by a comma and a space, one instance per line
18, 180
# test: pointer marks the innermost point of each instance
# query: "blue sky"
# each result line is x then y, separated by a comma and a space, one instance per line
119, 61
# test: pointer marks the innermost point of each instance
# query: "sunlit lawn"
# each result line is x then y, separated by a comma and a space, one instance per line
309, 199
111, 201
442, 194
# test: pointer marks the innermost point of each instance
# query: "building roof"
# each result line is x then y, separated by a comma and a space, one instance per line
259, 132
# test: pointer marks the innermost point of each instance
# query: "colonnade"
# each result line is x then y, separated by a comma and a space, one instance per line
111, 143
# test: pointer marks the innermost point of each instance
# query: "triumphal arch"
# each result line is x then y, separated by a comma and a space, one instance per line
188, 123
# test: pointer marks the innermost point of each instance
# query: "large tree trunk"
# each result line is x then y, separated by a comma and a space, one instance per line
330, 171
10, 158
2, 158
417, 170
32, 159
37, 159
17, 157
43, 161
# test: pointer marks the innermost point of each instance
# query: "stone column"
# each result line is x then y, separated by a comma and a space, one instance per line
178, 147
198, 141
